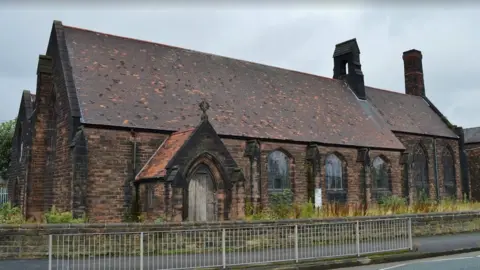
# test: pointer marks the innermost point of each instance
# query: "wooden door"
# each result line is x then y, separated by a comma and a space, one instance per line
201, 196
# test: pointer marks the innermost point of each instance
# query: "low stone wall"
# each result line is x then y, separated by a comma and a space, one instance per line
32, 240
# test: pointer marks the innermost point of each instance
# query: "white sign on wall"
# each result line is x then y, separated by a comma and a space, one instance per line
318, 197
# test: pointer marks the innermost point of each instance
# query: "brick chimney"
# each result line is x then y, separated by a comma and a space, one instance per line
412, 62
346, 66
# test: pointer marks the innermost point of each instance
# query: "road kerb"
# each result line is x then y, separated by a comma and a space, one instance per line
367, 260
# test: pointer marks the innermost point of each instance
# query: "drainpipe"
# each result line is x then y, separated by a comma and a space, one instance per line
364, 184
134, 167
134, 173
435, 168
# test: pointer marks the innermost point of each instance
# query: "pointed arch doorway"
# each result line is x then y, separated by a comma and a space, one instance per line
202, 197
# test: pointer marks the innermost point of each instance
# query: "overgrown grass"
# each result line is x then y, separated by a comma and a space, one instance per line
283, 208
13, 215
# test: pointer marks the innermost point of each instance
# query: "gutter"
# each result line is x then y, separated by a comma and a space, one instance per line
437, 111
475, 148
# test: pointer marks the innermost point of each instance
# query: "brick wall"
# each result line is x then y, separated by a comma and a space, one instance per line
39, 186
353, 169
110, 170
50, 168
473, 157
411, 141
62, 134
19, 158
31, 240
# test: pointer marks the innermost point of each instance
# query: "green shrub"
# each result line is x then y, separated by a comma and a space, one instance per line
56, 217
10, 214
392, 203
281, 203
159, 220
307, 210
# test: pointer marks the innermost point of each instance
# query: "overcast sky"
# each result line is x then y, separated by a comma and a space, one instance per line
300, 38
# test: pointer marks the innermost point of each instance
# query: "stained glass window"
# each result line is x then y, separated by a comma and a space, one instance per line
333, 172
449, 173
420, 171
380, 174
278, 171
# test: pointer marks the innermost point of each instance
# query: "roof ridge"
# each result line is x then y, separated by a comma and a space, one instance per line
217, 55
288, 96
386, 90
197, 51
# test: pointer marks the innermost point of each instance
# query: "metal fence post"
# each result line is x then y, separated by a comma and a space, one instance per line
357, 233
50, 243
141, 251
224, 255
296, 243
410, 240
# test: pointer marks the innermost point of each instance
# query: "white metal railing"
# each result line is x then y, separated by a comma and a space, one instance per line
3, 195
222, 247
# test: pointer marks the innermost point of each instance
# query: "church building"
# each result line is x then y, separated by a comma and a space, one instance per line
117, 122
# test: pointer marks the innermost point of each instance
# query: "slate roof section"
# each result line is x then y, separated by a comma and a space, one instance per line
125, 82
472, 135
408, 113
132, 83
157, 164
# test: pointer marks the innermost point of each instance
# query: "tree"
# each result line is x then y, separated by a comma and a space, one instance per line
7, 129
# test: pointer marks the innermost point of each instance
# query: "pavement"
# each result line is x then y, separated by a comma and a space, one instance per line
422, 245
465, 261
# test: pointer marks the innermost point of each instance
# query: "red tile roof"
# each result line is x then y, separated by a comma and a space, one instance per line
157, 165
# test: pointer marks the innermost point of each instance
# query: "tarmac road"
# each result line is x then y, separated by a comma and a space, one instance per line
424, 244
465, 261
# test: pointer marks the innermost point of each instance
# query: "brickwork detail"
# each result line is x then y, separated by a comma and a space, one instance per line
80, 174
412, 141
20, 157
37, 167
473, 156
110, 172
110, 169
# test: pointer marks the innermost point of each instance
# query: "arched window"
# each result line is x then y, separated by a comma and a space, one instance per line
420, 171
380, 178
380, 174
449, 173
334, 173
278, 172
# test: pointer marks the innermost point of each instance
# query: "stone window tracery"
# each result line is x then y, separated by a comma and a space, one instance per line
278, 171
334, 173
420, 171
449, 173
380, 174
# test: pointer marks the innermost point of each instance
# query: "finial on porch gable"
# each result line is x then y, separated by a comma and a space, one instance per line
204, 106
